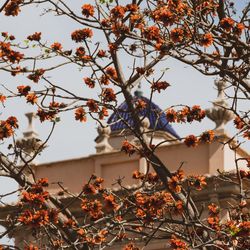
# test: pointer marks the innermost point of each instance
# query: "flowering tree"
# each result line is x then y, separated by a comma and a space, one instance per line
209, 35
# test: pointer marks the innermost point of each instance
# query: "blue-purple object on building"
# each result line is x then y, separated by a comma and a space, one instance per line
153, 112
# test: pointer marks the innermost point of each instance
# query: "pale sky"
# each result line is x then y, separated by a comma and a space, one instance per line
73, 139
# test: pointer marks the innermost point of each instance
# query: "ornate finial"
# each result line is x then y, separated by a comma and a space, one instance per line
30, 131
138, 92
145, 124
102, 143
219, 112
30, 143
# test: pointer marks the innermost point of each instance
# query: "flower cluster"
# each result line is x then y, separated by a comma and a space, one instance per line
178, 244
80, 114
131, 246
36, 195
81, 35
206, 40
94, 186
88, 10
206, 137
8, 54
35, 37
175, 182
13, 8
108, 95
128, 148
197, 181
213, 218
56, 46
92, 105
46, 114
155, 206
36, 76
159, 85
23, 90
151, 178
31, 98
7, 127
37, 214
89, 82
187, 114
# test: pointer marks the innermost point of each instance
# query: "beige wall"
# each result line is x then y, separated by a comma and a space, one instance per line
204, 159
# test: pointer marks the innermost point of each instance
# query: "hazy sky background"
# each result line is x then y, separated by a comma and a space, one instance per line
73, 139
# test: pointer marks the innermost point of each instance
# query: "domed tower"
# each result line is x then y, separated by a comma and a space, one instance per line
153, 120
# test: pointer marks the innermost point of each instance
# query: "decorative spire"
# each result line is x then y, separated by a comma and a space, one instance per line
219, 112
30, 143
102, 143
30, 131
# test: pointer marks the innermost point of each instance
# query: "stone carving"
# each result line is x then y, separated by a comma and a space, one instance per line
219, 113
102, 143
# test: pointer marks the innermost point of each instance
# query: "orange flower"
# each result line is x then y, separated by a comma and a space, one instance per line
34, 219
81, 35
132, 7
227, 23
239, 29
101, 53
206, 40
2, 98
93, 107
198, 182
35, 37
164, 15
93, 208
110, 203
152, 33
31, 247
44, 182
178, 244
12, 8
88, 10
207, 136
32, 98
12, 121
131, 246
89, 189
35, 77
46, 115
191, 141
89, 82
239, 123
213, 221
171, 115
160, 85
5, 130
196, 113
56, 46
103, 112
138, 175
23, 90
108, 95
177, 35
213, 209
8, 54
118, 12
80, 114
174, 185
111, 72
128, 148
